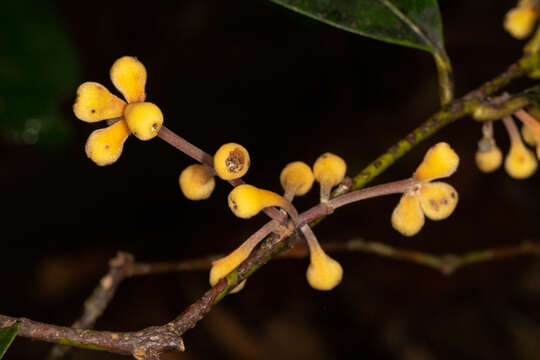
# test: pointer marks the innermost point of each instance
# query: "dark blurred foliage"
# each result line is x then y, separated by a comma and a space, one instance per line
38, 69
288, 88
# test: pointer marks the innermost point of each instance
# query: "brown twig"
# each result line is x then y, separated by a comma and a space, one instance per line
121, 267
446, 264
146, 344
155, 340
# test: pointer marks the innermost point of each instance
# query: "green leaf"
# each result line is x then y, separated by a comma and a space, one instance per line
6, 337
38, 72
414, 23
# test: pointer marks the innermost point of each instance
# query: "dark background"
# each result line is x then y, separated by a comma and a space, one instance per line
287, 88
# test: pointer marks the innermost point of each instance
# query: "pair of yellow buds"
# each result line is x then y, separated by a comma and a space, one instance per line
436, 200
520, 162
231, 161
95, 103
297, 178
520, 21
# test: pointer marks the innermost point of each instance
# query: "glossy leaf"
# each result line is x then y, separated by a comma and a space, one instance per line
38, 73
413, 23
6, 337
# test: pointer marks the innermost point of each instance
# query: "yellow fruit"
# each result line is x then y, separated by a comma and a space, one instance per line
104, 146
247, 201
298, 177
196, 182
519, 22
329, 169
144, 119
323, 273
438, 200
129, 76
440, 161
231, 161
95, 103
408, 217
520, 163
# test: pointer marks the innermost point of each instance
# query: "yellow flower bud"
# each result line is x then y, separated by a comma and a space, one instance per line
519, 22
408, 217
222, 267
438, 200
95, 103
329, 169
129, 76
323, 273
104, 146
520, 163
144, 119
440, 161
528, 135
247, 201
488, 157
197, 182
231, 161
298, 177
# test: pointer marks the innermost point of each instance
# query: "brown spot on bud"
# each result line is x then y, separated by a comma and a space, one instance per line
434, 204
236, 161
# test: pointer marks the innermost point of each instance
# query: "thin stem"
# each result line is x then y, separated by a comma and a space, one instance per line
396, 187
487, 129
511, 128
248, 245
530, 122
447, 264
289, 194
326, 189
445, 76
185, 146
311, 239
290, 209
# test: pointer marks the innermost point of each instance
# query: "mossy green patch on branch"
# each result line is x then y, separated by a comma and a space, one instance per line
68, 342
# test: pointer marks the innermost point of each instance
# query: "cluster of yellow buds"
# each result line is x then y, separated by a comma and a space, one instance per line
436, 200
520, 162
297, 178
231, 161
520, 21
95, 103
